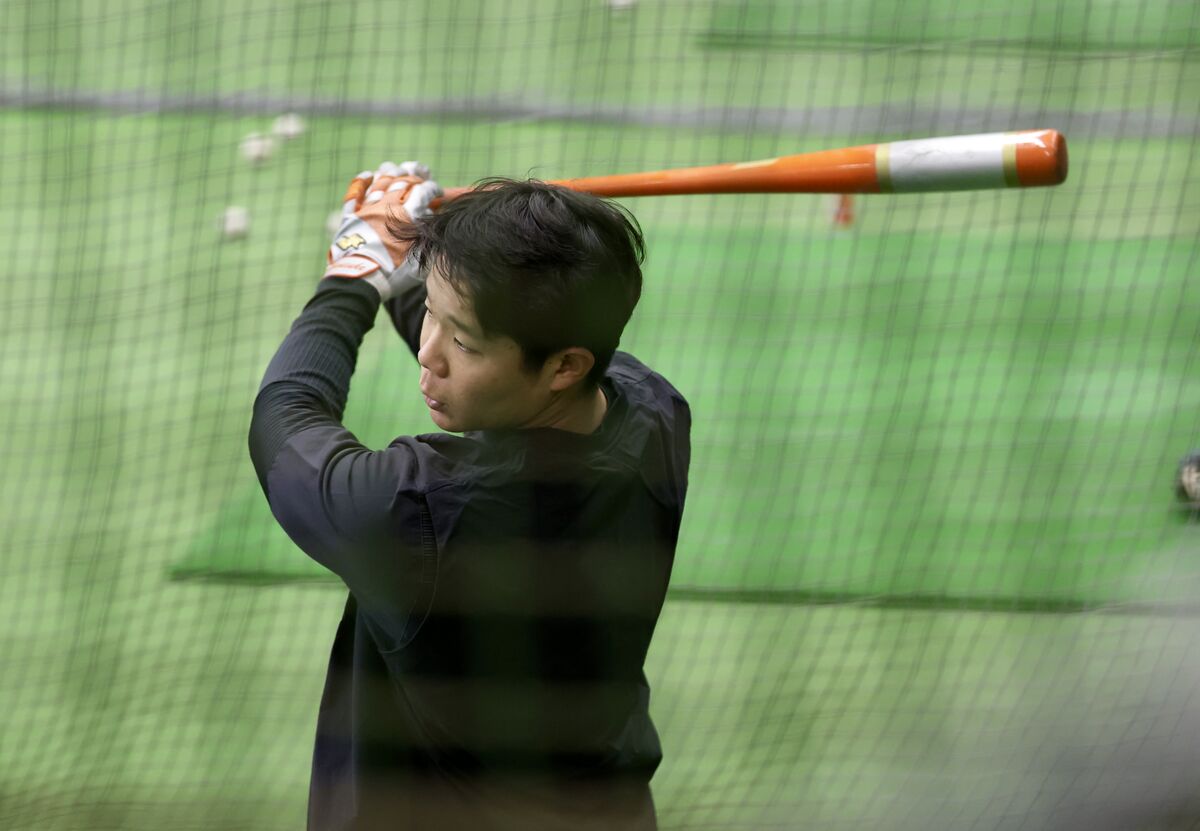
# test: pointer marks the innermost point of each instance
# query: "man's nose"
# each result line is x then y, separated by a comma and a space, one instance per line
429, 358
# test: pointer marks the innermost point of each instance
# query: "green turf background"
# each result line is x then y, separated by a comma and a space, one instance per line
988, 412
968, 403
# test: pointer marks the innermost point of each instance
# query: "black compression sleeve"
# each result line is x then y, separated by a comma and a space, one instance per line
308, 380
407, 311
338, 501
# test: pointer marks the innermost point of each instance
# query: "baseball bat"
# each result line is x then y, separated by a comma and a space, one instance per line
1024, 159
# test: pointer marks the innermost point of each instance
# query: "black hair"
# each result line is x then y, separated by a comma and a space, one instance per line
546, 266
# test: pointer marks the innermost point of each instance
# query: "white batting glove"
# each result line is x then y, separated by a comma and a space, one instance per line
363, 247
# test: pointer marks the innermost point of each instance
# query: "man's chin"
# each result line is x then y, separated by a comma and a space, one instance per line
444, 422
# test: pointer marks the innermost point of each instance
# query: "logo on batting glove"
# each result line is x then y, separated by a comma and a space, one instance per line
350, 241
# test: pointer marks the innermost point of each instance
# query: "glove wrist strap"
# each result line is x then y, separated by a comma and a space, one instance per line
364, 268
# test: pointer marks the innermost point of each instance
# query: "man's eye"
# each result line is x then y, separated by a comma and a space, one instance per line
463, 346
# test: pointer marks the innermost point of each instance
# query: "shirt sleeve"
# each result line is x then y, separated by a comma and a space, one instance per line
407, 311
358, 512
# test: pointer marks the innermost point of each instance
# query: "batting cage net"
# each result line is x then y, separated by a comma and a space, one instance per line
934, 571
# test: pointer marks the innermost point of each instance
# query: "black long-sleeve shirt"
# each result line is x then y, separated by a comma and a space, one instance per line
504, 587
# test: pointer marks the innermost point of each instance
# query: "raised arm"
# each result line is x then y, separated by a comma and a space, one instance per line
335, 498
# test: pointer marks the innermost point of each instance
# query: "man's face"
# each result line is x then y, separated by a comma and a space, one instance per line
469, 381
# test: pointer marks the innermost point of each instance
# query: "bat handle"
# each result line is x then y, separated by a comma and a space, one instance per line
449, 195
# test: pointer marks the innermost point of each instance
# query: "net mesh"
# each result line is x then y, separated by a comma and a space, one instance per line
931, 572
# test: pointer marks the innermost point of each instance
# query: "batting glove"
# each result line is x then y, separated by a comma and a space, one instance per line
362, 247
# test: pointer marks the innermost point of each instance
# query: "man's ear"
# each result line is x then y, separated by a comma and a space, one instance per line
570, 366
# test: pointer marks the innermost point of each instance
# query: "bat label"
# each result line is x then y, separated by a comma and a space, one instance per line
942, 164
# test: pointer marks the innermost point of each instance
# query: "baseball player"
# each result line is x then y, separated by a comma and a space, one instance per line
505, 573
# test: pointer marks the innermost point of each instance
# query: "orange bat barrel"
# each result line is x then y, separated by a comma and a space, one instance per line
850, 169
1031, 158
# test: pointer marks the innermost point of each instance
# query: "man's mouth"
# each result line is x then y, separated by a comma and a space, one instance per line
433, 403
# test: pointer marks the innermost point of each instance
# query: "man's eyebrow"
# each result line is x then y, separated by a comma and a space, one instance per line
458, 324
464, 328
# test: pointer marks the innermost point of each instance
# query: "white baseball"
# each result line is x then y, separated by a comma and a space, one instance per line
257, 148
288, 127
235, 222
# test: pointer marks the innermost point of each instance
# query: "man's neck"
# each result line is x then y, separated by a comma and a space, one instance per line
583, 414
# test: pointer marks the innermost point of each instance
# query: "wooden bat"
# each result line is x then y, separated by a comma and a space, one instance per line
1025, 159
